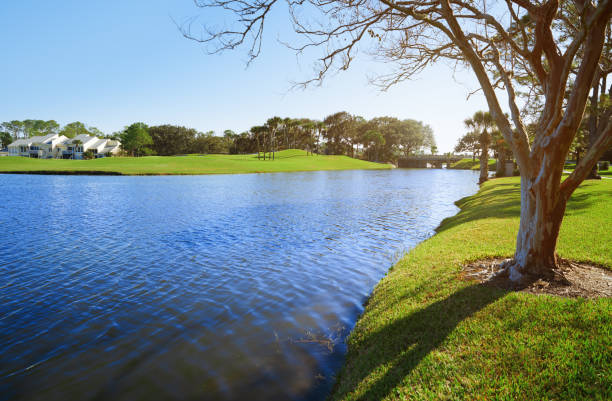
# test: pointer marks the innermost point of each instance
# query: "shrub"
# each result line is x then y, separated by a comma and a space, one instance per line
603, 166
89, 154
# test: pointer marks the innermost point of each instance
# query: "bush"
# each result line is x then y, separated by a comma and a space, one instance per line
603, 166
148, 152
88, 155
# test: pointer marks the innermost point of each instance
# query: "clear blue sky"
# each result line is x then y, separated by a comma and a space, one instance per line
110, 63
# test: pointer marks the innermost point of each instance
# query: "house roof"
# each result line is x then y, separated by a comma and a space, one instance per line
35, 139
84, 138
62, 139
21, 142
113, 143
43, 139
99, 143
109, 144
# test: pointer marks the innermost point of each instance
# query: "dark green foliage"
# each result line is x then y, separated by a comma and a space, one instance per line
605, 165
40, 127
29, 128
468, 143
5, 139
207, 143
381, 138
76, 128
135, 138
14, 128
172, 139
89, 154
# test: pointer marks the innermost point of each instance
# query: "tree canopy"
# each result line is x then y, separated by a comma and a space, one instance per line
136, 138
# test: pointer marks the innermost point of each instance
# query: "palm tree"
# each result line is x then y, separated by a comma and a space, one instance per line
75, 144
287, 125
481, 123
257, 133
272, 125
308, 127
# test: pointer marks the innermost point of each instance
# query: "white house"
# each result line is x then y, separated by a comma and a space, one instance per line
60, 147
104, 147
43, 147
74, 148
111, 147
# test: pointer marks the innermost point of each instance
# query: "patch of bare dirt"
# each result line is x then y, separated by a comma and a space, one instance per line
573, 279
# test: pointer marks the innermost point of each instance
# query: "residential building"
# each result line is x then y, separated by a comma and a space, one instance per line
111, 148
43, 147
60, 147
74, 148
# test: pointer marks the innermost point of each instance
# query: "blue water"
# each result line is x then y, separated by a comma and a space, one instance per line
198, 287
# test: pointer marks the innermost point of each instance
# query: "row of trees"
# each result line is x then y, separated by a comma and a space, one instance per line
380, 139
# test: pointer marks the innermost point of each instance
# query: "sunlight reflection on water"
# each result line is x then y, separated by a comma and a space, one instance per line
200, 287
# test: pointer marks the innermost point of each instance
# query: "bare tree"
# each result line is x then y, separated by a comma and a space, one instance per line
507, 44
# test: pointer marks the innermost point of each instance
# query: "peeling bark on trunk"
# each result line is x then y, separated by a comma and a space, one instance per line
542, 210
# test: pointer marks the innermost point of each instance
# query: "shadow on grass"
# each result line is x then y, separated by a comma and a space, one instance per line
402, 344
500, 201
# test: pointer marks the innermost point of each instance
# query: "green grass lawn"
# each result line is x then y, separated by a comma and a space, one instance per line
469, 164
287, 160
426, 334
570, 166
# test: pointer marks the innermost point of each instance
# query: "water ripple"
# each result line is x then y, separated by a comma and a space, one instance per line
209, 287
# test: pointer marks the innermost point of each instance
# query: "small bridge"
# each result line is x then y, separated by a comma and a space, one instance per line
421, 161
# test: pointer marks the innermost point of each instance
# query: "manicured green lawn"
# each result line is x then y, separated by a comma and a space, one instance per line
469, 164
426, 334
287, 160
570, 166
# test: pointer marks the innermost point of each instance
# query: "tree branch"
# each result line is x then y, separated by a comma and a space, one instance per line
584, 167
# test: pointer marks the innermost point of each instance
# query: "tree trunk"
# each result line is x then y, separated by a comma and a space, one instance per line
543, 202
501, 160
484, 163
593, 124
542, 210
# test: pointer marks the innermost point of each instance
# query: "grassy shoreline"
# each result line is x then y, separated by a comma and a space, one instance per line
426, 334
471, 164
285, 161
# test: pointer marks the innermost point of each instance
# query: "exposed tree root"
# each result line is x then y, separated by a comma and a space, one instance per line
571, 279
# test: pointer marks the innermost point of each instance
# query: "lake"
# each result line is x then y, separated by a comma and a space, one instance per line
223, 287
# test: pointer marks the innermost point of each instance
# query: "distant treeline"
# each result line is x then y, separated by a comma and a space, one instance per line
378, 139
